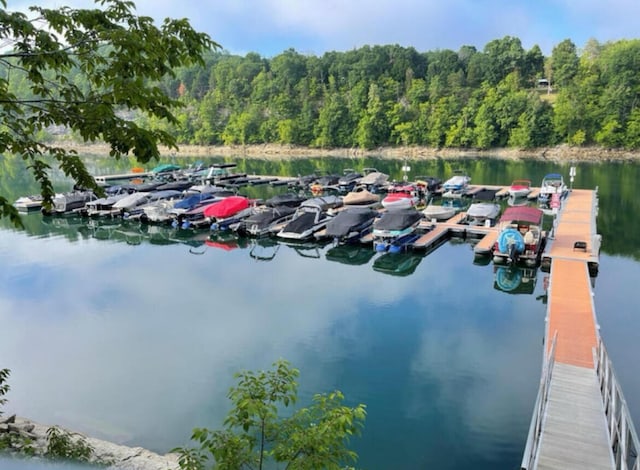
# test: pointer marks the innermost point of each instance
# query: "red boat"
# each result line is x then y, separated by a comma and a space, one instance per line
230, 210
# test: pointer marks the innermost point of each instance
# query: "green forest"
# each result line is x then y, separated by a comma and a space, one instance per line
374, 96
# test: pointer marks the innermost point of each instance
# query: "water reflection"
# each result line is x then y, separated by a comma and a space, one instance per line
515, 279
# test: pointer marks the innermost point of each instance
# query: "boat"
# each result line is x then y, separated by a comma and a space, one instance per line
264, 220
102, 206
285, 199
351, 224
71, 202
348, 180
157, 200
519, 188
228, 211
521, 238
439, 211
482, 213
431, 183
361, 197
456, 186
514, 279
403, 196
552, 183
373, 179
395, 229
311, 216
29, 203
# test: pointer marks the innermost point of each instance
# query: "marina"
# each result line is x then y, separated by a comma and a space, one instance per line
571, 257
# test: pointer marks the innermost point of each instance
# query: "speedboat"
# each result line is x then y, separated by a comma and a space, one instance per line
310, 217
521, 238
70, 202
156, 198
285, 199
552, 183
351, 224
439, 212
402, 196
373, 179
361, 197
229, 211
348, 180
264, 220
395, 229
482, 213
519, 188
456, 186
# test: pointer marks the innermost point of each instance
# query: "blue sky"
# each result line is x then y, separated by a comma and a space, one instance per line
269, 27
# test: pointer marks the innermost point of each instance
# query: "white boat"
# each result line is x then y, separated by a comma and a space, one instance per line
482, 213
520, 188
456, 186
552, 183
438, 212
402, 196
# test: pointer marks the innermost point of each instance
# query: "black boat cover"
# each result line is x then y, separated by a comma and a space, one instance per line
485, 195
286, 199
350, 219
267, 216
301, 223
397, 219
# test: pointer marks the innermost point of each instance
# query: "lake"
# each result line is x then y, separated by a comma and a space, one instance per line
133, 335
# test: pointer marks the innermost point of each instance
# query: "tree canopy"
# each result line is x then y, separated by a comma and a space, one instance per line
89, 71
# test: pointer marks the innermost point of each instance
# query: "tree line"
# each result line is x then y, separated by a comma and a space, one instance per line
502, 96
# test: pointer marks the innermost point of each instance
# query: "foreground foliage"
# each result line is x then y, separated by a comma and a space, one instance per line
256, 434
87, 71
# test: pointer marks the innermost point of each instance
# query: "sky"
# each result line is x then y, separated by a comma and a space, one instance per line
314, 27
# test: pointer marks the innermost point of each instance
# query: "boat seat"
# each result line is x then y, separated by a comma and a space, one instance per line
580, 246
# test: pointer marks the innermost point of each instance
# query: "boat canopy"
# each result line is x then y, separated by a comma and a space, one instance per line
531, 215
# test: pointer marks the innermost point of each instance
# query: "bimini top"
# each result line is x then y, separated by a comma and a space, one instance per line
531, 215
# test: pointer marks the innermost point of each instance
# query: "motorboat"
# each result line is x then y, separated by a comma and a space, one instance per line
348, 180
156, 199
361, 197
102, 206
439, 211
29, 203
70, 202
552, 183
482, 213
456, 186
519, 188
373, 179
129, 203
228, 211
521, 238
443, 211
351, 224
403, 196
264, 220
395, 229
431, 183
310, 217
285, 199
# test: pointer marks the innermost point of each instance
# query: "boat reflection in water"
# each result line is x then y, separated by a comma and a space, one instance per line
514, 279
397, 264
355, 255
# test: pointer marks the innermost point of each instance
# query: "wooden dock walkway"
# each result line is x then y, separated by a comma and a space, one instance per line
573, 432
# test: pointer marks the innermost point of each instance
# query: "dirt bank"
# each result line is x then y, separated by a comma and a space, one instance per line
561, 154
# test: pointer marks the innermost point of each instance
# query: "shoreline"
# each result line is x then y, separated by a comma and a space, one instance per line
558, 154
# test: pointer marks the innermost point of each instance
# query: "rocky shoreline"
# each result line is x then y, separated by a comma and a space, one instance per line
559, 154
103, 452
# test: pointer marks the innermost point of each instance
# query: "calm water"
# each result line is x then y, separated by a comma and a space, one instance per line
134, 336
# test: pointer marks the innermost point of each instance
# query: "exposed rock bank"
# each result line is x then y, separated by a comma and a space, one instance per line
116, 456
561, 153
